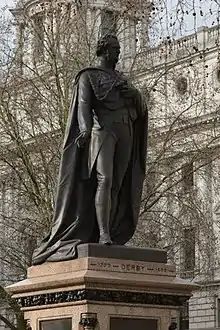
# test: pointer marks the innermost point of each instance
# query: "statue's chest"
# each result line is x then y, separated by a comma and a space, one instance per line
107, 79
107, 84
104, 85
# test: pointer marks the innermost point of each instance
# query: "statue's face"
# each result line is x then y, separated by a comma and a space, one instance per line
113, 50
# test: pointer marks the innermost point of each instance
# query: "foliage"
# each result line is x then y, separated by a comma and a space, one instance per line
52, 42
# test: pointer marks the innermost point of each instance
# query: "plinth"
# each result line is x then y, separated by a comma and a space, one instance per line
107, 288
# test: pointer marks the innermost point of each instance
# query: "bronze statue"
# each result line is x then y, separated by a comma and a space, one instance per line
103, 162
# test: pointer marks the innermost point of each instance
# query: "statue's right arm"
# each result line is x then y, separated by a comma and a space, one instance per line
84, 103
84, 114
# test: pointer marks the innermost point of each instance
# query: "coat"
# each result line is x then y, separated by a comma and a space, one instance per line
74, 220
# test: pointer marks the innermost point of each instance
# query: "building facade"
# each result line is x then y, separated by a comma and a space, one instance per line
181, 209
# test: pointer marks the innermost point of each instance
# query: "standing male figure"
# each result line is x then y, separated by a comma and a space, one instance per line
103, 163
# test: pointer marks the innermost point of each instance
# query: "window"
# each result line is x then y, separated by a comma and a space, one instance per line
38, 35
218, 312
65, 323
187, 177
33, 108
30, 244
218, 72
184, 316
108, 22
21, 30
181, 85
189, 238
151, 184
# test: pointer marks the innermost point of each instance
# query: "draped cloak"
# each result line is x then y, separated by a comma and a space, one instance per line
74, 220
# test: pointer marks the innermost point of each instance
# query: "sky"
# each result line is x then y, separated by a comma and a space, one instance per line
172, 19
6, 2
196, 12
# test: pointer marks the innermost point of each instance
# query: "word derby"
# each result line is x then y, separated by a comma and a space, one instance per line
134, 267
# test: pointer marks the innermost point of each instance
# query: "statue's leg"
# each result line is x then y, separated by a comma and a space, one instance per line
104, 171
122, 157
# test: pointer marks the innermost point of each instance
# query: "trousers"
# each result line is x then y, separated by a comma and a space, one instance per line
111, 166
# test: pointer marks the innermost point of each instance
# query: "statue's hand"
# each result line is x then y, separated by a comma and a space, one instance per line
128, 92
82, 139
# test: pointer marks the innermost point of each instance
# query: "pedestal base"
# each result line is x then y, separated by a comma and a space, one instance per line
99, 292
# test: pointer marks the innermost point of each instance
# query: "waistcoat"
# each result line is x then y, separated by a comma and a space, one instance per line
109, 105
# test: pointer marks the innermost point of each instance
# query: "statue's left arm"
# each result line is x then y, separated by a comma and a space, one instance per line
133, 95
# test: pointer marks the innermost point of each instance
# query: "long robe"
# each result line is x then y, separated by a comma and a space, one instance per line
74, 219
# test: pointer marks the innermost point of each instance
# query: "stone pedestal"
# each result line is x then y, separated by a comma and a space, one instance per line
106, 288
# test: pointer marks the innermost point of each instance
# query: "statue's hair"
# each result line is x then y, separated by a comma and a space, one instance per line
103, 43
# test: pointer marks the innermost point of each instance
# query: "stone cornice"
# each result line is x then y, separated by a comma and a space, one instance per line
194, 122
173, 53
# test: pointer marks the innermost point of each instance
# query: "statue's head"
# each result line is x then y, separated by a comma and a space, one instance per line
108, 47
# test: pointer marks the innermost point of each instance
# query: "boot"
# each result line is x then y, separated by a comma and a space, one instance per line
103, 213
